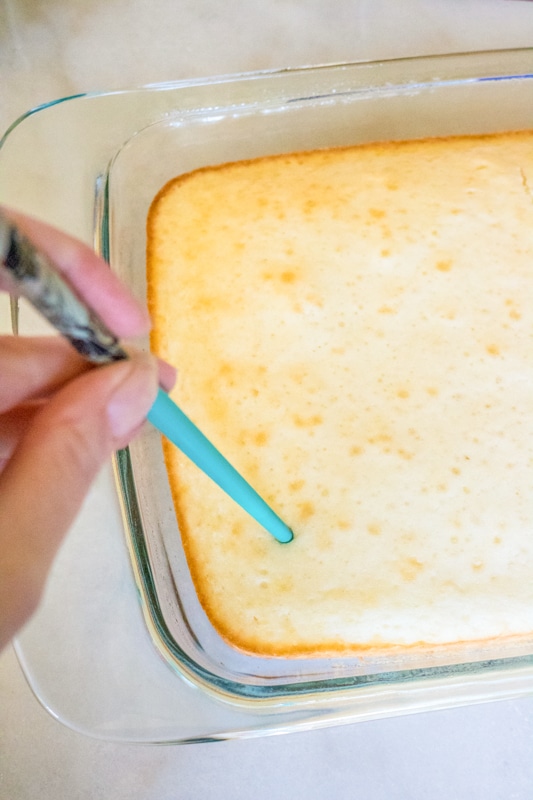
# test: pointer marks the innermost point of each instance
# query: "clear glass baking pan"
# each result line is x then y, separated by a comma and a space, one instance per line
92, 165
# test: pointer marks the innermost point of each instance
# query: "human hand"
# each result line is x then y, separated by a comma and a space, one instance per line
60, 419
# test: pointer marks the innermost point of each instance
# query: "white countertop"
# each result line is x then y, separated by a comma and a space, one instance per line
50, 50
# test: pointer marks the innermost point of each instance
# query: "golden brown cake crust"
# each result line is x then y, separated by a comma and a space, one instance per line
352, 327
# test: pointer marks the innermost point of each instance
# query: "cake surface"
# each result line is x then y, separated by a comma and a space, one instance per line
353, 329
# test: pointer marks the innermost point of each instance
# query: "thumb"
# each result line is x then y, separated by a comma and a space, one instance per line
44, 484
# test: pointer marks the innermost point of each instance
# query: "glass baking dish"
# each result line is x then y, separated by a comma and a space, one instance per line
118, 150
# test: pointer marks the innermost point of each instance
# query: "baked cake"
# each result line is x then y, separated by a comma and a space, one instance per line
353, 329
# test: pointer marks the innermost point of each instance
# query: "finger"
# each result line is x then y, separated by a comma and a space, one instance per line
44, 483
167, 375
89, 275
13, 426
15, 423
35, 367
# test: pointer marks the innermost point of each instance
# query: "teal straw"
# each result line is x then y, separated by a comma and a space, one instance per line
178, 428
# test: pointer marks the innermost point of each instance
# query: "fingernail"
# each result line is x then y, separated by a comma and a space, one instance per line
133, 395
167, 375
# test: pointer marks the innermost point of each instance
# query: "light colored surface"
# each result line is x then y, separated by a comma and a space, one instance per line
54, 49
